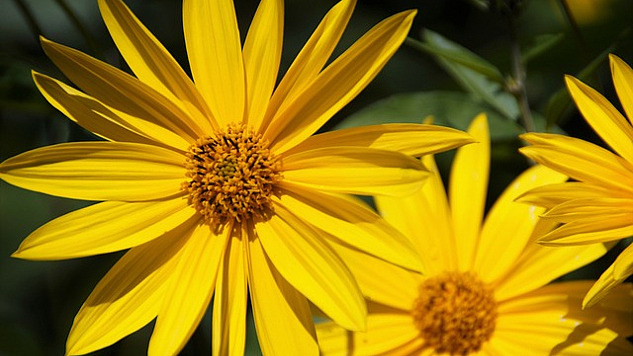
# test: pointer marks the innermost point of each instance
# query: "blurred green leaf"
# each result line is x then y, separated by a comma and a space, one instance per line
560, 104
540, 45
481, 86
455, 53
455, 109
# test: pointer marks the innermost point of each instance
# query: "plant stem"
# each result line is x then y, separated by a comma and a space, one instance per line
517, 86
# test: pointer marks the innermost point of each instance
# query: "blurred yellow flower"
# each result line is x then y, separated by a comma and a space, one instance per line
598, 205
218, 188
483, 288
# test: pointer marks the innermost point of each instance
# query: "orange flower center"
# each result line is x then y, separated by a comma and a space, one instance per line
231, 175
455, 312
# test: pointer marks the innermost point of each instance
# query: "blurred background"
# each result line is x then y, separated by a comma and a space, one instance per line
504, 57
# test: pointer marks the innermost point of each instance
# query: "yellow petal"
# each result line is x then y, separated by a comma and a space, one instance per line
104, 227
152, 63
582, 208
467, 191
553, 194
96, 117
215, 56
356, 170
546, 334
352, 222
380, 281
98, 171
623, 82
121, 91
601, 288
308, 264
311, 59
605, 119
229, 302
386, 331
539, 265
338, 84
410, 139
591, 229
579, 160
509, 225
262, 53
129, 295
424, 218
282, 315
189, 291
623, 265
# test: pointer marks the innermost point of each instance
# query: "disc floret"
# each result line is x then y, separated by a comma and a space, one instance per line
232, 175
455, 312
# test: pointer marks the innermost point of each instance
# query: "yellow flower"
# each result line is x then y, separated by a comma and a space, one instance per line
483, 287
598, 205
218, 187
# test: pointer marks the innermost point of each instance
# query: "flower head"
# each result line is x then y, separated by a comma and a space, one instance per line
483, 288
597, 206
217, 186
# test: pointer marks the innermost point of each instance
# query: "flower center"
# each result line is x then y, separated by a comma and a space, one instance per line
232, 175
455, 313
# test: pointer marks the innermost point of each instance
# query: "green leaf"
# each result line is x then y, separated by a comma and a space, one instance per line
459, 55
455, 109
474, 82
540, 45
560, 104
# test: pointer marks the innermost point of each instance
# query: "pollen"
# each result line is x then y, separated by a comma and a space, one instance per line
455, 312
232, 175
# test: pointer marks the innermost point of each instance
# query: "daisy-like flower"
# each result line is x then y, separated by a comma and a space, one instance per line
218, 188
483, 288
597, 206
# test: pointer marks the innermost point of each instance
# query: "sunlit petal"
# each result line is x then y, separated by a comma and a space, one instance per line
282, 315
189, 291
305, 261
623, 82
129, 295
230, 300
262, 53
605, 119
113, 226
467, 191
352, 222
215, 55
410, 139
152, 64
356, 170
339, 83
98, 171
